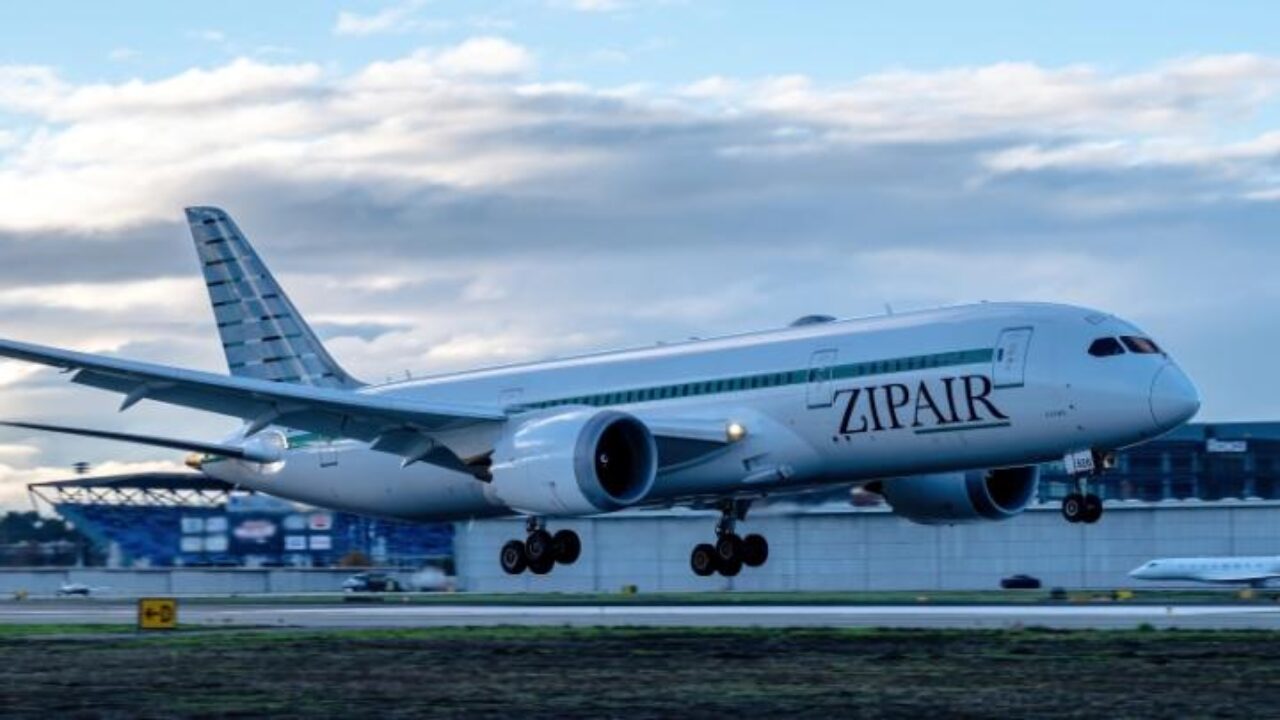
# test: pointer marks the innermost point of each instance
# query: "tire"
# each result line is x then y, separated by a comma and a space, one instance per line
729, 549
755, 550
539, 545
567, 546
1092, 509
513, 558
1073, 507
703, 560
730, 568
542, 565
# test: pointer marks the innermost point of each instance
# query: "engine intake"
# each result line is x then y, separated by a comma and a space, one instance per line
578, 462
962, 497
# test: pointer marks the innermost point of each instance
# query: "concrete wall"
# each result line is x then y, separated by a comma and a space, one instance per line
831, 549
176, 581
852, 549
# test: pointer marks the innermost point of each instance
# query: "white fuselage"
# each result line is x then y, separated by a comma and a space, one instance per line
1218, 570
981, 386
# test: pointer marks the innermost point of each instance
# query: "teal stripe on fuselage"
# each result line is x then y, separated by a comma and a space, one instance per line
769, 380
741, 383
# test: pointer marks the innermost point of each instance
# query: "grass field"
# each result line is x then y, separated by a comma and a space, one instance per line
53, 672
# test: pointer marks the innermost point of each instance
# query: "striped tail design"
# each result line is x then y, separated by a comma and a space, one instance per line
263, 334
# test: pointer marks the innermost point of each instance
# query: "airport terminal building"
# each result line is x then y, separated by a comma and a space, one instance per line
1205, 489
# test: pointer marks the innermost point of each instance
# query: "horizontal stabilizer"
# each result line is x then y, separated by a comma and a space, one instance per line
250, 453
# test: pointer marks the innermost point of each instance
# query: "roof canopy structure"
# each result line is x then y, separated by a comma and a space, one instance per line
140, 489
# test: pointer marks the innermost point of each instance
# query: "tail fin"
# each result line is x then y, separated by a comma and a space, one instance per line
263, 334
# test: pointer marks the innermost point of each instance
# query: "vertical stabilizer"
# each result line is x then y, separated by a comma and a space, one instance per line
263, 334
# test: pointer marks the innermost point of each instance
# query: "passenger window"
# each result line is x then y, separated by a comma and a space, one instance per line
1106, 347
1141, 345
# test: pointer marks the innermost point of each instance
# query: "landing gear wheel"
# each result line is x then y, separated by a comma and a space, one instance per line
566, 546
513, 558
728, 549
542, 565
1073, 507
755, 550
703, 560
1092, 509
729, 568
538, 546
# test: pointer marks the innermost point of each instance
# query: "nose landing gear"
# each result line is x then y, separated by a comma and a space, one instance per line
1083, 506
1080, 507
540, 551
730, 552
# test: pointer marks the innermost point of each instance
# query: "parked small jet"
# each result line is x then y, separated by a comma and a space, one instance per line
70, 588
946, 413
1252, 571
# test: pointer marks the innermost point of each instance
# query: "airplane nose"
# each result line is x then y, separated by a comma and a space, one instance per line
1174, 399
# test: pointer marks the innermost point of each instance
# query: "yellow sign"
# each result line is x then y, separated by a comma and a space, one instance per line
157, 614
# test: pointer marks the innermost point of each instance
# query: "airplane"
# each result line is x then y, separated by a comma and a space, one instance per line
946, 413
1253, 571
69, 589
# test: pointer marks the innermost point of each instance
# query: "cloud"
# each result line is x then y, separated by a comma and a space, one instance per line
179, 296
463, 117
1184, 95
487, 56
393, 18
17, 450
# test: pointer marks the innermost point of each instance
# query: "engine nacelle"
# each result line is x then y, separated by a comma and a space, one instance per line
962, 497
575, 462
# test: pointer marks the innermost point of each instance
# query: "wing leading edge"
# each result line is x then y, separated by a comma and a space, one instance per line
402, 427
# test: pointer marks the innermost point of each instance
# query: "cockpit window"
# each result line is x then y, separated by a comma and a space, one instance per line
1106, 347
1141, 345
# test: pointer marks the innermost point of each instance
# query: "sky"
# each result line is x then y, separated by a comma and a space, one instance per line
441, 185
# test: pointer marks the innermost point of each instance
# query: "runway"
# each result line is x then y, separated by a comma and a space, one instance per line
336, 616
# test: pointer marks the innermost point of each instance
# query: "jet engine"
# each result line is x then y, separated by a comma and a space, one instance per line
575, 462
950, 498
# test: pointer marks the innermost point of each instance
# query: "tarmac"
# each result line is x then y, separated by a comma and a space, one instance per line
378, 615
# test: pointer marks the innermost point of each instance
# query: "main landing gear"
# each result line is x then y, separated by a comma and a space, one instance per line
541, 550
730, 552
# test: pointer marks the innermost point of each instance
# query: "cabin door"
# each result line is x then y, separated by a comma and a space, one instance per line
1010, 361
821, 364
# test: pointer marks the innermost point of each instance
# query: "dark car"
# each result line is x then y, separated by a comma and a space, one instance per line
370, 582
1020, 582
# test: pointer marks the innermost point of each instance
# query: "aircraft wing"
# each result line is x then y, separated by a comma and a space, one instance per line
327, 411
